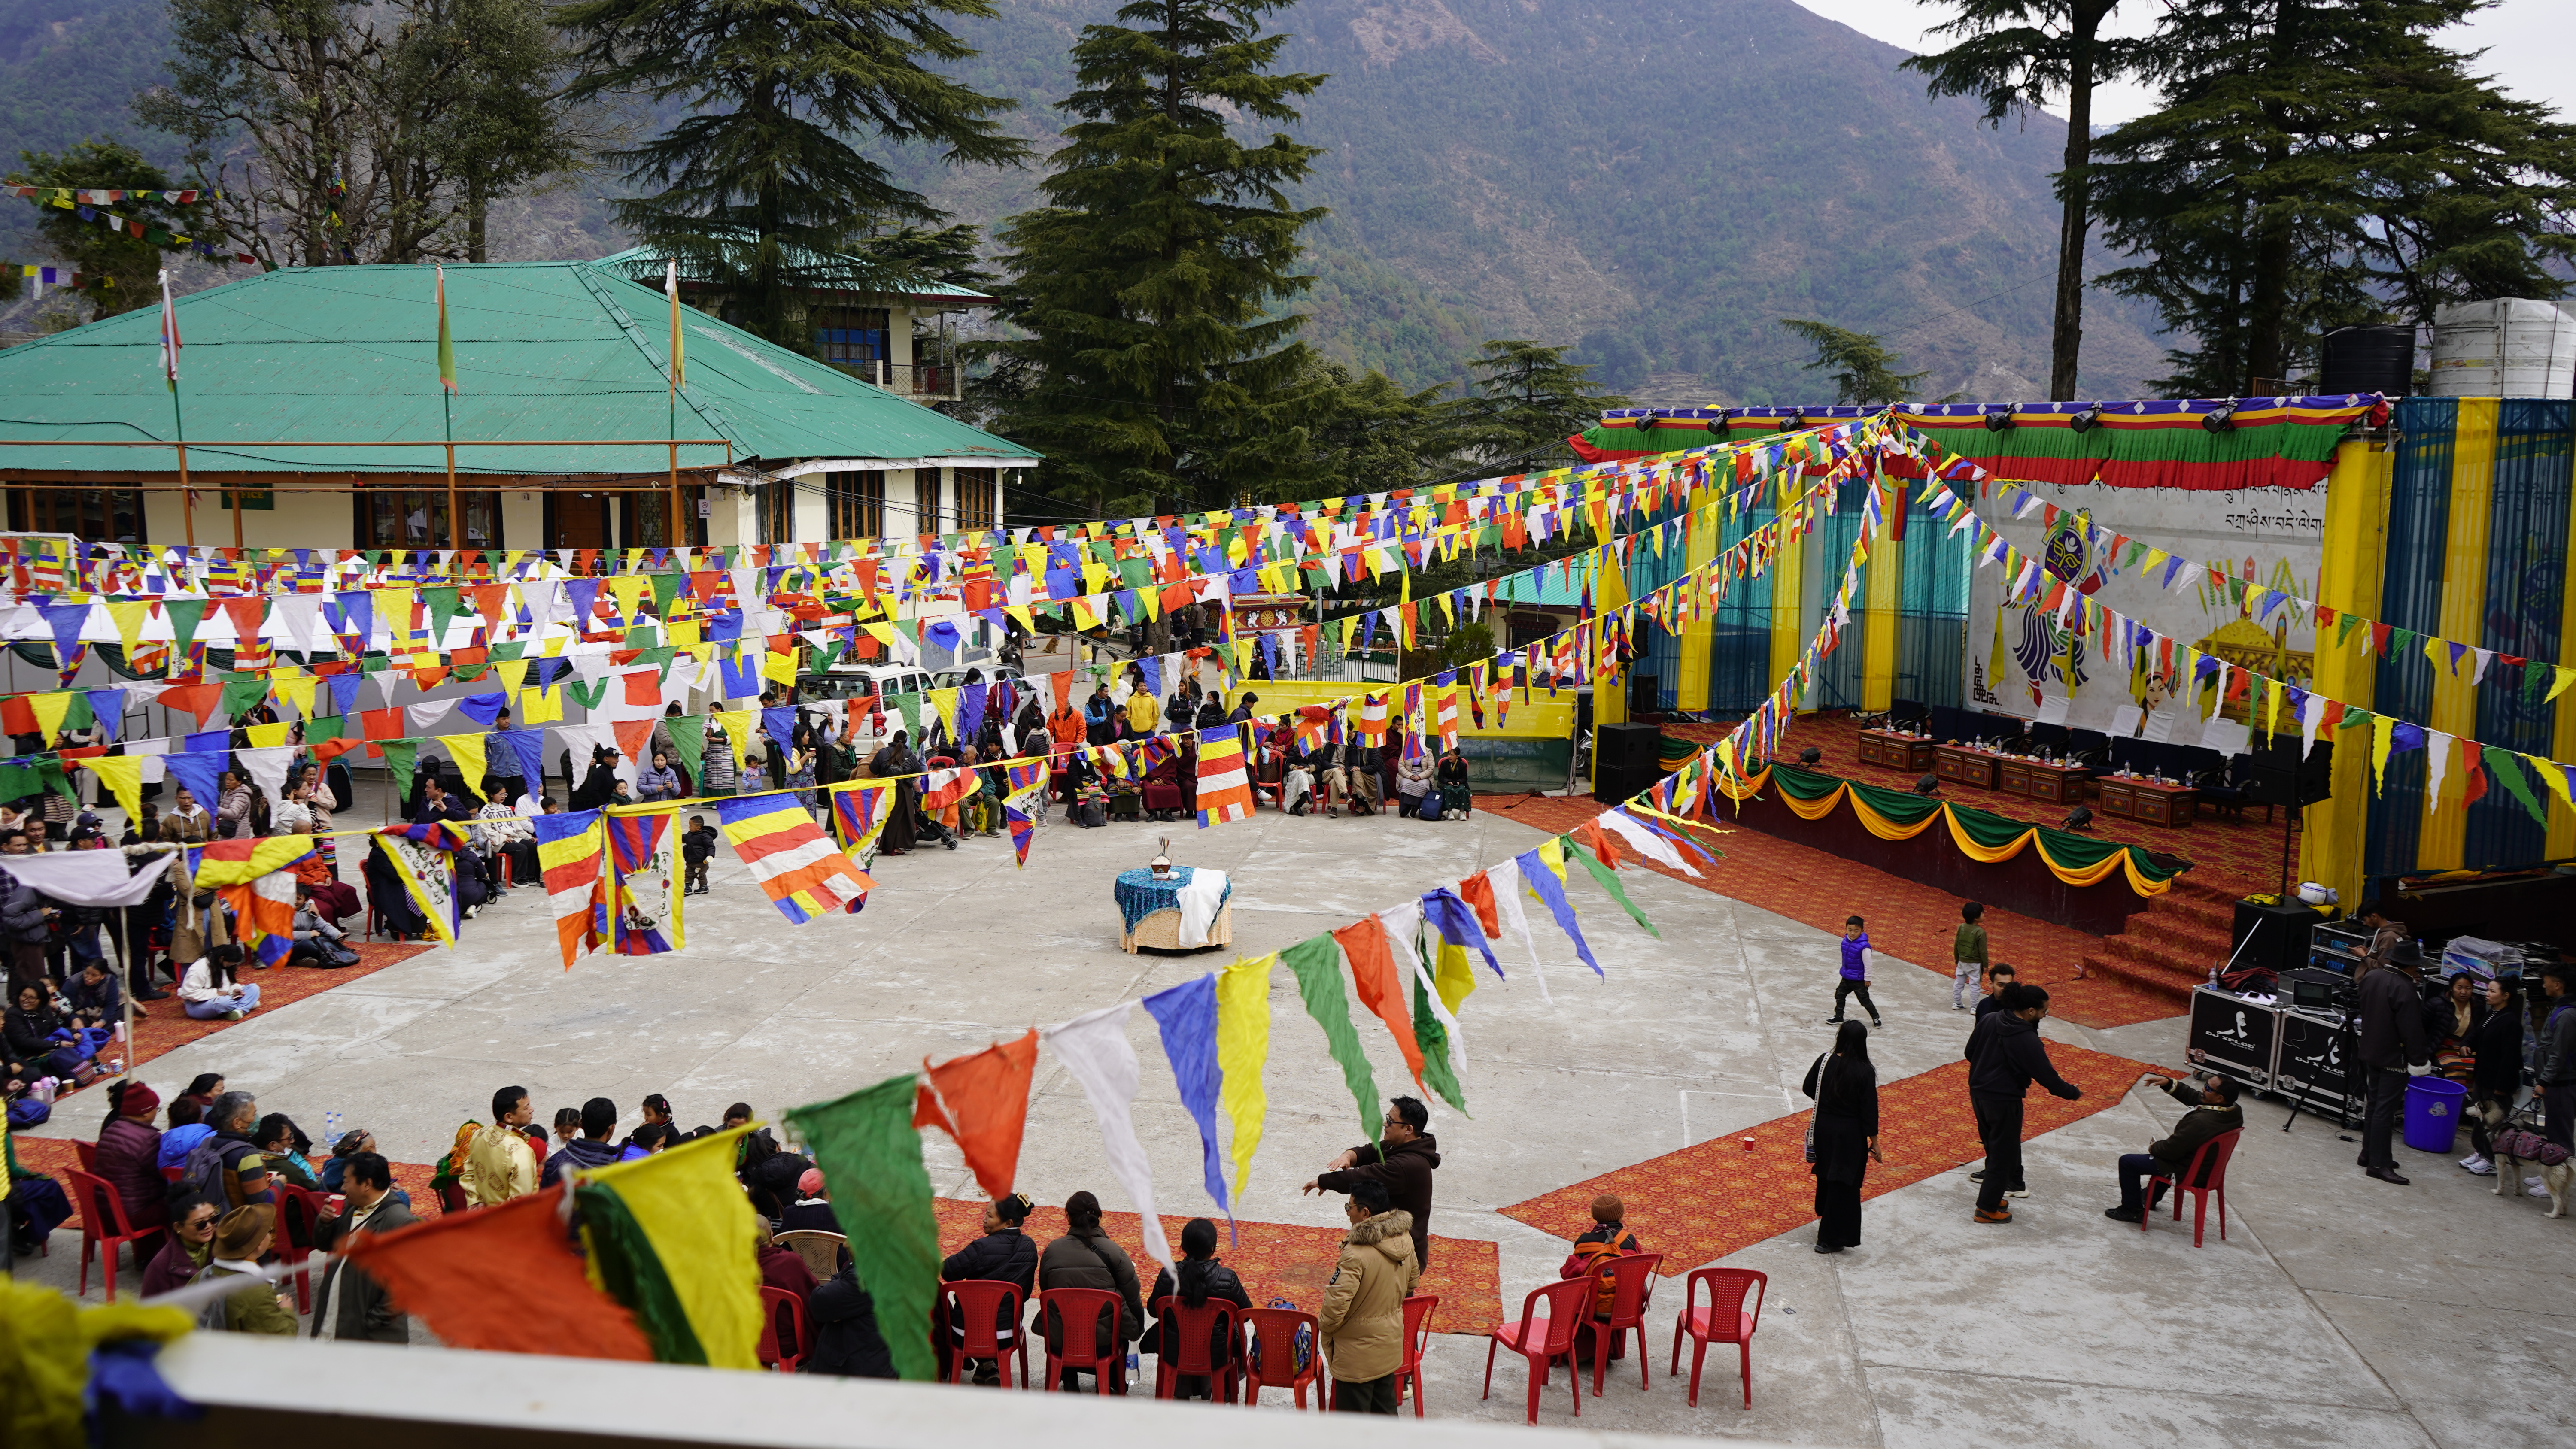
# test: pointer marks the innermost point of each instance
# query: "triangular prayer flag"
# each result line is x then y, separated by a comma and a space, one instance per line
981, 1100
870, 1157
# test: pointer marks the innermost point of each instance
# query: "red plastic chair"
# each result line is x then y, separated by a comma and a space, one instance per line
1417, 1337
1274, 1350
1196, 1328
1543, 1339
979, 1306
1724, 1320
88, 1153
1632, 1278
1069, 1321
2224, 1144
100, 1210
296, 1209
775, 1302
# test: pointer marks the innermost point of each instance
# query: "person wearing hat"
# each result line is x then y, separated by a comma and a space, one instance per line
241, 1237
811, 1212
129, 1159
1004, 1254
2394, 1046
347, 1303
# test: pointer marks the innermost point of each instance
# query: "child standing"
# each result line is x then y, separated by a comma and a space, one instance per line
697, 847
1967, 955
1855, 982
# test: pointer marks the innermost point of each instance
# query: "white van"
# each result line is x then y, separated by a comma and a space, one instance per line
858, 681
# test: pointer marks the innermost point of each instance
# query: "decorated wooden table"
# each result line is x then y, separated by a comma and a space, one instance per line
1188, 910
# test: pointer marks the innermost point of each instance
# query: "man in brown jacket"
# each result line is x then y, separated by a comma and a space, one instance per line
1363, 1317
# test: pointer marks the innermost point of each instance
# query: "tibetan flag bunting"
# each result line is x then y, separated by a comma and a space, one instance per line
1023, 830
788, 854
1024, 776
1225, 790
644, 850
572, 854
859, 814
943, 788
1373, 720
423, 856
251, 877
1449, 717
502, 1280
1314, 721
670, 1237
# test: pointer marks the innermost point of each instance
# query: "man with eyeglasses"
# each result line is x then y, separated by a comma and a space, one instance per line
1403, 1160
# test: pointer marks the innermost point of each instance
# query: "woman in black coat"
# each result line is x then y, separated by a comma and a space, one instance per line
2496, 1074
1845, 1088
846, 1339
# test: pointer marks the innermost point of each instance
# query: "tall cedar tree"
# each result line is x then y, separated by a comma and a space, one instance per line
1155, 370
1863, 370
2314, 163
759, 191
2015, 56
118, 270
1527, 401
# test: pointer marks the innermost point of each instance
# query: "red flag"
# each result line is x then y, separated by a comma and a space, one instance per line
1478, 891
503, 1280
982, 1101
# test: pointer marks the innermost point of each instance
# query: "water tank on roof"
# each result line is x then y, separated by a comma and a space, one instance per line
2512, 347
2378, 358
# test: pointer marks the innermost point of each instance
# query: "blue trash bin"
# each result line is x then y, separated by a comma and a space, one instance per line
2433, 1112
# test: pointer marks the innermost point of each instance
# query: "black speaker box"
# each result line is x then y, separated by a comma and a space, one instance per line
2280, 777
2279, 936
1642, 689
1614, 784
1627, 744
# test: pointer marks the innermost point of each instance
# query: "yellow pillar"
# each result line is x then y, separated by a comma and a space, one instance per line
1698, 640
1788, 606
2561, 839
1884, 578
2444, 838
2356, 555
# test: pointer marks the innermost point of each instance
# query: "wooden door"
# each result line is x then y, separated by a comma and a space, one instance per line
578, 520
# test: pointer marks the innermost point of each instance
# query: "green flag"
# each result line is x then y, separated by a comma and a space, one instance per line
400, 756
666, 586
185, 616
2506, 766
1318, 964
587, 692
445, 603
909, 705
1608, 879
870, 1155
689, 737
243, 693
1433, 1038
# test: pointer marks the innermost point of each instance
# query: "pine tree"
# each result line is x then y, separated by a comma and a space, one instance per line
1864, 371
1527, 400
117, 270
1155, 368
2015, 56
758, 189
2314, 163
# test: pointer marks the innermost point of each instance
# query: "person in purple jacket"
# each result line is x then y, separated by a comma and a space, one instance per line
1855, 982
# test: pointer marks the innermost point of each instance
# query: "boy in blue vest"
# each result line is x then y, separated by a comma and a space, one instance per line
1855, 982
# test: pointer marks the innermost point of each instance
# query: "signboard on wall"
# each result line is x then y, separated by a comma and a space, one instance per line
2023, 661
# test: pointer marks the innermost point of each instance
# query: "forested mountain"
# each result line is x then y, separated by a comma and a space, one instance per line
1656, 182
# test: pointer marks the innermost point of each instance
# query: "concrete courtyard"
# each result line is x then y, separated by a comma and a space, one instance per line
2339, 1311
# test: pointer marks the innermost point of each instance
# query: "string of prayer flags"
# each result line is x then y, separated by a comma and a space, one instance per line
1316, 963
572, 857
802, 872
1381, 987
870, 1156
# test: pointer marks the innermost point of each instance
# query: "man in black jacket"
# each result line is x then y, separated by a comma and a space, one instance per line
2394, 1046
1403, 1159
2213, 1114
348, 1303
2005, 1055
591, 1149
1003, 1255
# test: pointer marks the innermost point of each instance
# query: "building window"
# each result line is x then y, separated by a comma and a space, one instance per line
417, 518
979, 496
647, 518
854, 503
103, 515
778, 511
852, 337
927, 510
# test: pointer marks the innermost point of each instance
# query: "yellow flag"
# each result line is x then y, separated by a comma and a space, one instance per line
129, 615
295, 689
780, 667
123, 776
1551, 852
468, 753
2380, 728
541, 706
945, 701
1242, 1049
513, 674
629, 591
267, 736
738, 725
50, 708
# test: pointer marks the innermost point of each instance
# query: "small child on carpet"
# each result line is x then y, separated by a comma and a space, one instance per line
1967, 954
1855, 978
697, 847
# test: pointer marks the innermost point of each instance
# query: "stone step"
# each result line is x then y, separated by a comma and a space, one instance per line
2180, 958
2147, 978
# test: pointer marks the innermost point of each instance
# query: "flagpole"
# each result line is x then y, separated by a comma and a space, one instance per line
671, 285
178, 421
447, 412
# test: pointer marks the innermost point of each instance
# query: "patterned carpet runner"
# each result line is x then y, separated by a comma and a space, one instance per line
1704, 1202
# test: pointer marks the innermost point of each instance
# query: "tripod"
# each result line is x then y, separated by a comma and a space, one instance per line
2348, 1048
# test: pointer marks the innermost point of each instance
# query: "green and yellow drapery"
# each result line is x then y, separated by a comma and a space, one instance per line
1981, 835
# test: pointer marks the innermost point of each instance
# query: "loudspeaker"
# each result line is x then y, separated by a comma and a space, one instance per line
1618, 745
2279, 776
1612, 784
1642, 689
2279, 936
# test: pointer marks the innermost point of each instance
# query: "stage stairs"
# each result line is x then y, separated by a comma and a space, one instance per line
2168, 948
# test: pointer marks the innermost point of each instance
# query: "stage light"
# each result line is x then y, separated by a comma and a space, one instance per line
2222, 419
2085, 421
2000, 421
1928, 785
1645, 423
2079, 818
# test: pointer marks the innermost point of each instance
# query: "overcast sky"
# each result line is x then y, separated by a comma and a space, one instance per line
2530, 45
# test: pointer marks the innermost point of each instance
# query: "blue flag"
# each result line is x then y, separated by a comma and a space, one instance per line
1186, 1016
1538, 877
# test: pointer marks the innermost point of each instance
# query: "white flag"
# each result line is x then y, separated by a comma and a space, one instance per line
1094, 1048
169, 334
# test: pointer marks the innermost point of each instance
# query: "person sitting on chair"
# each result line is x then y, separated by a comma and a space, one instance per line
1607, 1239
2213, 1114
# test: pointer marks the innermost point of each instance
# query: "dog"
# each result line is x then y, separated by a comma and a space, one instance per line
2514, 1139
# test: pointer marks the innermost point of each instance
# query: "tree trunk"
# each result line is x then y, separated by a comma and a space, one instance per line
476, 206
2075, 196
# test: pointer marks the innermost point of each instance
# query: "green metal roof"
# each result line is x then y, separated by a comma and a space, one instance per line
544, 351
644, 264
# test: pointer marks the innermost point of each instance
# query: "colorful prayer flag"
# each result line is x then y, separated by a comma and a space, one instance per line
1242, 1049
870, 1156
502, 1280
670, 1236
423, 857
1316, 962
251, 877
572, 855
788, 854
1225, 790
981, 1101
643, 849
1185, 1017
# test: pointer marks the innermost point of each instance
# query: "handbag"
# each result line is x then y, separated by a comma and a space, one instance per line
1815, 1079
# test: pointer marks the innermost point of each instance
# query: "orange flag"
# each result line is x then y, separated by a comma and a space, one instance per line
504, 1280
982, 1100
1477, 891
1381, 985
1604, 845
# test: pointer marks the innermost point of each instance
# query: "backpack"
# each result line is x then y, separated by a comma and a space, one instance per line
1596, 1259
202, 1171
1430, 807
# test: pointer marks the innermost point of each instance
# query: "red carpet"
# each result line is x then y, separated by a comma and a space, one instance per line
1705, 1202
1276, 1260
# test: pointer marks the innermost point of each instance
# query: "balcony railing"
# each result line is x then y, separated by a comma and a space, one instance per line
924, 382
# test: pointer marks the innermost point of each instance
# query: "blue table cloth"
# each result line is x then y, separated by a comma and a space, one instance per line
1140, 895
